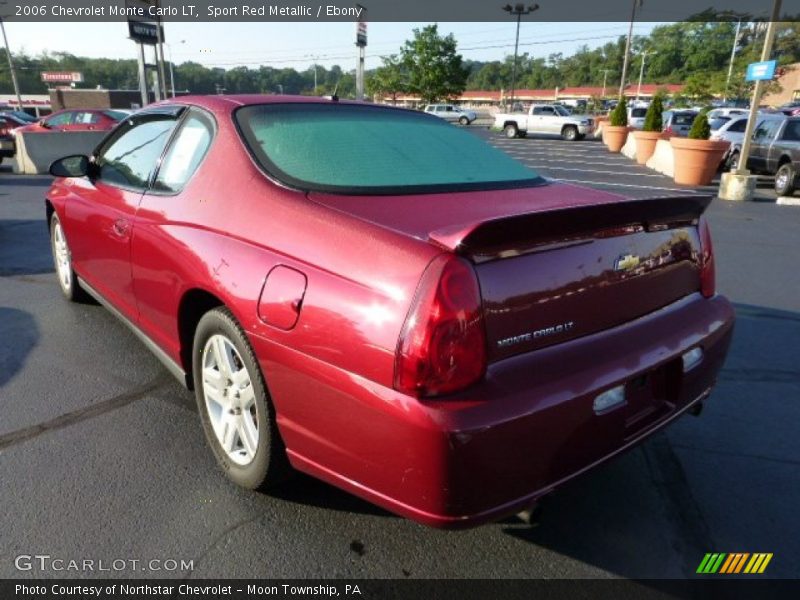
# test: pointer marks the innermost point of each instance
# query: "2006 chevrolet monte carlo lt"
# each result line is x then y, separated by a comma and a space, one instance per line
379, 299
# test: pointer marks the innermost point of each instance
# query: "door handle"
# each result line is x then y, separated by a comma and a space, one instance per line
121, 228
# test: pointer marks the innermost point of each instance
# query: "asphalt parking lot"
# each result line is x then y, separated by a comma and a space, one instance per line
102, 455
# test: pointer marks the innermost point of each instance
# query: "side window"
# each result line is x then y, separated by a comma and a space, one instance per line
547, 110
130, 157
86, 118
792, 131
537, 110
738, 126
449, 108
185, 154
766, 130
59, 120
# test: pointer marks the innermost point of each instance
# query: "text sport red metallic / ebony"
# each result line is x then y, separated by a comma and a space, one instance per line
380, 299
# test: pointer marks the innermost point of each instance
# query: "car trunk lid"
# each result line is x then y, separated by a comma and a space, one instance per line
555, 262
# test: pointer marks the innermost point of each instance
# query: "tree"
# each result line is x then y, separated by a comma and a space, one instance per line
435, 70
389, 79
619, 116
652, 119
698, 88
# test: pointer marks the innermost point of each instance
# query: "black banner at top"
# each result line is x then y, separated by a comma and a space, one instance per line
392, 10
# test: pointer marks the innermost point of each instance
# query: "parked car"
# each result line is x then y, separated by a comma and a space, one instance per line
8, 123
790, 109
730, 130
76, 120
678, 122
452, 113
776, 151
20, 115
636, 115
410, 329
726, 112
551, 119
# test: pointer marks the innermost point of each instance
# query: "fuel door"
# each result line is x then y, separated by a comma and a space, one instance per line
282, 297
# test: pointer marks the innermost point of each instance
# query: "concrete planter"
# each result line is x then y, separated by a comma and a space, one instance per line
696, 161
645, 144
614, 136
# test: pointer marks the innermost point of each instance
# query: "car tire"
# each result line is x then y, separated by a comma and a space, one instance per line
235, 408
511, 131
732, 161
570, 133
785, 180
463, 120
62, 260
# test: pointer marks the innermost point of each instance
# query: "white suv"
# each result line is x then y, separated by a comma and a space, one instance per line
452, 113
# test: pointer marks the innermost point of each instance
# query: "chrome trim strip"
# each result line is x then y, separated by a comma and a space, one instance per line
165, 359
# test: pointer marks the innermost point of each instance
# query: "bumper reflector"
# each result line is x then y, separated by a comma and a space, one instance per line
692, 358
609, 399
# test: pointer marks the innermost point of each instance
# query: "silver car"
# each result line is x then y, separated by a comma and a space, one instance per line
678, 122
730, 130
636, 117
452, 113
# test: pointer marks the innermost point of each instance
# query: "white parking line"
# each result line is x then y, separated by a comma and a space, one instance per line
595, 171
627, 185
581, 162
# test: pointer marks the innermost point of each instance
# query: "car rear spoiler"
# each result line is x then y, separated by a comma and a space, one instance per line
485, 238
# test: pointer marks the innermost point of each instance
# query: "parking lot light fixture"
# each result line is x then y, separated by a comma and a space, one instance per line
517, 10
641, 71
171, 64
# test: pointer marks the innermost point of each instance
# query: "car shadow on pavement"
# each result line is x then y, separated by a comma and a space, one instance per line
305, 490
24, 247
691, 488
20, 326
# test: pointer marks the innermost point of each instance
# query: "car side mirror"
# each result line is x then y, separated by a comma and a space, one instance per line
44, 124
76, 165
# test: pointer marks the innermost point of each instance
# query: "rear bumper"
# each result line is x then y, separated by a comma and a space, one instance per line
493, 449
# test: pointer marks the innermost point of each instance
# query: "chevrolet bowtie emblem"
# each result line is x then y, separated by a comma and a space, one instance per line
626, 262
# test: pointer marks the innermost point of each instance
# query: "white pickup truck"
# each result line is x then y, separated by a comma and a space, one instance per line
550, 119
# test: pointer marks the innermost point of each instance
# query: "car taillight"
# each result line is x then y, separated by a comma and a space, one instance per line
668, 130
4, 131
708, 277
442, 346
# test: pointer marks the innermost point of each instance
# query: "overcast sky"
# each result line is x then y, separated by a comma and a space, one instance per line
299, 45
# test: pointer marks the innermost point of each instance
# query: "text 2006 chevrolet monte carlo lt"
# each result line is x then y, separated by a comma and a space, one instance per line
377, 298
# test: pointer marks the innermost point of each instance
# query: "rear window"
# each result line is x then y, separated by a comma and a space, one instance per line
638, 112
356, 149
115, 114
718, 122
684, 118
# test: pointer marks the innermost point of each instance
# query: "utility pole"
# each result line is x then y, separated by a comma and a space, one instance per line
733, 55
605, 76
11, 66
628, 49
361, 42
641, 72
518, 10
766, 51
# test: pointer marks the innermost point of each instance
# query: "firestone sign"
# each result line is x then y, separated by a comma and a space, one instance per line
62, 76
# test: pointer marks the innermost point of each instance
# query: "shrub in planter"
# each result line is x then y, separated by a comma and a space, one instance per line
696, 157
651, 131
615, 134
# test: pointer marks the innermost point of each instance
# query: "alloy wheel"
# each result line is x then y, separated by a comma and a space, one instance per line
230, 399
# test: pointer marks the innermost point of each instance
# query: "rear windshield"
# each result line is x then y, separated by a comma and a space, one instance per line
684, 118
718, 122
638, 112
357, 149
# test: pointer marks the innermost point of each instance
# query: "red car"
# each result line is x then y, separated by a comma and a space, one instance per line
76, 120
386, 302
9, 122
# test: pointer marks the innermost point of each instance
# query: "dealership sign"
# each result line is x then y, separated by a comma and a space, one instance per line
62, 76
144, 32
761, 71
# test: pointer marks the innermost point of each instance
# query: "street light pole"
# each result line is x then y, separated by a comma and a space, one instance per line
628, 49
733, 55
11, 65
605, 76
641, 72
171, 71
518, 10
